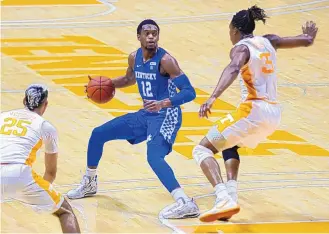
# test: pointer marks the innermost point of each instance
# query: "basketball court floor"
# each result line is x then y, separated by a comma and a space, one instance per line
284, 182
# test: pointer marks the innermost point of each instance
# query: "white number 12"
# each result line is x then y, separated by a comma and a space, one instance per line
147, 89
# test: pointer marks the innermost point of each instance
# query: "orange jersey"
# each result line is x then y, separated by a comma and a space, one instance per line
257, 78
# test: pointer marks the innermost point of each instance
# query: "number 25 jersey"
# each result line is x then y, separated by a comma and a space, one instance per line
22, 134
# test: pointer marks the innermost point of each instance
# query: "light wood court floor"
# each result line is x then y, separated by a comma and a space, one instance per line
284, 182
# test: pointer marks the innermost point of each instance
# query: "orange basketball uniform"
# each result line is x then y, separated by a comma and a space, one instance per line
259, 113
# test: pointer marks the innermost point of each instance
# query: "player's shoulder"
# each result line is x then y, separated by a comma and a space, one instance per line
271, 37
239, 48
48, 127
133, 54
131, 58
166, 56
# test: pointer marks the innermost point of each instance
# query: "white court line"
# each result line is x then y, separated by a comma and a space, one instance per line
170, 20
111, 8
200, 184
174, 227
198, 16
57, 5
301, 85
141, 188
94, 24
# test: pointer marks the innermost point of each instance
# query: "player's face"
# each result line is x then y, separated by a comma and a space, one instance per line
234, 34
149, 37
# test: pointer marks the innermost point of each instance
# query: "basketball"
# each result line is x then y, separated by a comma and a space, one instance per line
100, 89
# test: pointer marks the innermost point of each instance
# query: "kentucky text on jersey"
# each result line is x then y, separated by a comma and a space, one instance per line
146, 76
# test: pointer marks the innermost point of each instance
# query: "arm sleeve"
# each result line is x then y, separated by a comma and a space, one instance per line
49, 137
187, 92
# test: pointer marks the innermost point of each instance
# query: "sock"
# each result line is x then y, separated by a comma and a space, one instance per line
232, 187
179, 192
221, 191
91, 172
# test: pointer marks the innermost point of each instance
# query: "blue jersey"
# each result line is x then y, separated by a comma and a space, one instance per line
152, 84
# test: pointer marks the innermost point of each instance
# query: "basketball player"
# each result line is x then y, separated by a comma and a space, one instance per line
158, 75
22, 134
253, 60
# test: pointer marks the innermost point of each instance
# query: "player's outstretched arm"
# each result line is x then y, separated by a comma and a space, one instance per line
306, 39
128, 79
169, 65
239, 57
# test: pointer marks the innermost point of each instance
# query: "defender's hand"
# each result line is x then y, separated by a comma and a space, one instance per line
205, 108
310, 29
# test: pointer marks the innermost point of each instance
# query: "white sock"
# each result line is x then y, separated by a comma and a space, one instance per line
232, 189
91, 172
221, 191
179, 192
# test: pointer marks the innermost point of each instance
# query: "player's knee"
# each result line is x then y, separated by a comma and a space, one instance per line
200, 153
154, 160
216, 138
231, 153
98, 134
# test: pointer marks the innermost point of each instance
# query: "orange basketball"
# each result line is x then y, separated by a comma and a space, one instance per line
100, 89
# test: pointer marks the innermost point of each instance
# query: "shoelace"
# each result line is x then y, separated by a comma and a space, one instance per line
83, 182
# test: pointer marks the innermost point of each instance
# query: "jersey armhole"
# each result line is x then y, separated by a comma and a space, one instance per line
246, 45
159, 67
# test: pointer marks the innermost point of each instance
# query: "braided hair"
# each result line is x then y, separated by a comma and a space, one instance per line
244, 20
35, 95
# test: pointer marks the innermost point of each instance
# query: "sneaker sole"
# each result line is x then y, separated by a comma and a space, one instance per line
225, 218
86, 195
219, 215
186, 216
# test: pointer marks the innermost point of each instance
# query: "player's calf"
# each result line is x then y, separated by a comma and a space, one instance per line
203, 153
67, 218
232, 162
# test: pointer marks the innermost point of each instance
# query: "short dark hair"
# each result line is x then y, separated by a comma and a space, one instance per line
144, 22
35, 95
244, 20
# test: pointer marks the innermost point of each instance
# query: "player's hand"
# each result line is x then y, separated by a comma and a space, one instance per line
310, 29
152, 105
86, 86
205, 108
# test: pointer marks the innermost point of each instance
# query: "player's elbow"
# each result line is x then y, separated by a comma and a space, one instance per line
132, 81
192, 94
234, 69
309, 42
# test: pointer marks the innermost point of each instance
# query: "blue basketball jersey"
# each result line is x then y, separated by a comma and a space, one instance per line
152, 84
